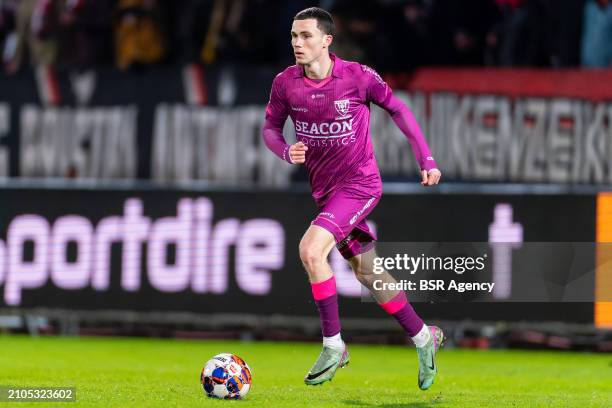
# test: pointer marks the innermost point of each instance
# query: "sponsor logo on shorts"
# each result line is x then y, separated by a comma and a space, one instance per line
365, 207
342, 244
327, 214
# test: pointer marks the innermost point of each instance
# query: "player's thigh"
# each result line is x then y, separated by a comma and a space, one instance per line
317, 241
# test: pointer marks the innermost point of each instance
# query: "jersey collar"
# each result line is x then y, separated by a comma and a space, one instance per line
337, 70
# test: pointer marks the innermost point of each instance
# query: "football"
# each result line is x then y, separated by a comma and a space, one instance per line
226, 376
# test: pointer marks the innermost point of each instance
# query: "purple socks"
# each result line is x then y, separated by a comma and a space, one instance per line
400, 309
326, 299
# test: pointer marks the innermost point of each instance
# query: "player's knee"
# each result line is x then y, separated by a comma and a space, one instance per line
310, 254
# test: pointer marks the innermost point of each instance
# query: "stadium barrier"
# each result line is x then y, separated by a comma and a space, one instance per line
212, 253
172, 125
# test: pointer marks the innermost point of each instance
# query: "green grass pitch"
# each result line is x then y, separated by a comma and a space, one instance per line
129, 372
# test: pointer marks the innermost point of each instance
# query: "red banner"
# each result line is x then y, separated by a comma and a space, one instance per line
595, 84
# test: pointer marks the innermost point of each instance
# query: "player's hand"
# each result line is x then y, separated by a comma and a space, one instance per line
297, 153
431, 177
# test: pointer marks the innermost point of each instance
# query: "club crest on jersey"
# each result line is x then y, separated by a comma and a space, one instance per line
342, 107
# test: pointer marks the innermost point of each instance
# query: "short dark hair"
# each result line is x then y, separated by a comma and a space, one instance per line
325, 22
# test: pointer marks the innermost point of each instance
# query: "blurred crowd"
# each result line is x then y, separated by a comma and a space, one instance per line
392, 35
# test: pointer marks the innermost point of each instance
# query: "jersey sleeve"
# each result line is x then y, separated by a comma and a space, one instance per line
276, 110
276, 115
378, 92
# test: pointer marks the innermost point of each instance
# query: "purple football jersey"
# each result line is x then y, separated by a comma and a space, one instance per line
332, 117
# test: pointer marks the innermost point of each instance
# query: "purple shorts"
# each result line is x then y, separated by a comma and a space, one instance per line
344, 215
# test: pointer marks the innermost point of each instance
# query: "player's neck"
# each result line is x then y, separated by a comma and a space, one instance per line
320, 68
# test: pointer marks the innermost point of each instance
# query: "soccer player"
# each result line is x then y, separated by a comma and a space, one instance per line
328, 100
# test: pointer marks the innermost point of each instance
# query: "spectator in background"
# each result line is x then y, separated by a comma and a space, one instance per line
358, 37
344, 44
213, 40
565, 32
407, 28
8, 33
86, 35
458, 31
188, 22
521, 34
597, 34
37, 24
139, 33
247, 37
239, 32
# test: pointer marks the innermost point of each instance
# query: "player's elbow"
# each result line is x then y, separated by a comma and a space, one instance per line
395, 113
398, 108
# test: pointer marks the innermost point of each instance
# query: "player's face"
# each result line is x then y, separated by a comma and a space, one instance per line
308, 42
